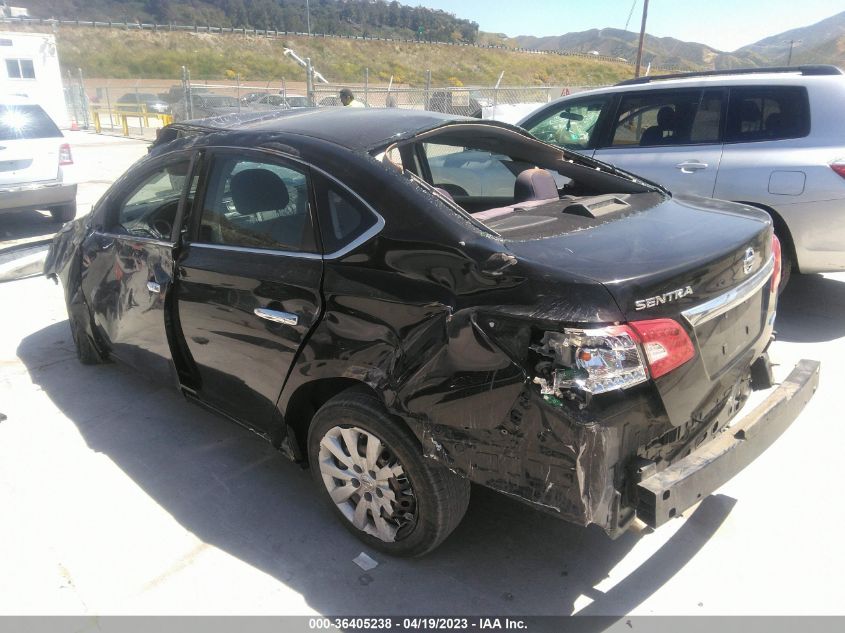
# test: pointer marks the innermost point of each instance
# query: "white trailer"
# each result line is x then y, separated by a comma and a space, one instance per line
29, 67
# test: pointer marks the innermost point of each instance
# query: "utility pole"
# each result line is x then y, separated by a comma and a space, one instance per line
642, 39
789, 59
308, 15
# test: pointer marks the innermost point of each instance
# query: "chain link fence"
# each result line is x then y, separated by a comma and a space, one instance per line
139, 107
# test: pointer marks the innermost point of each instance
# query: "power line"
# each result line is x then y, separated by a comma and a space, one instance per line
630, 13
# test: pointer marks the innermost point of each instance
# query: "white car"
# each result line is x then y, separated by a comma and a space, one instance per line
772, 138
33, 153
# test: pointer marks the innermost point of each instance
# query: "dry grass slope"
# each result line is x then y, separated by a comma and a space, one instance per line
123, 54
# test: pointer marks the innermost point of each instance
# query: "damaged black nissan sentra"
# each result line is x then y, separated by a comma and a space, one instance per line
411, 301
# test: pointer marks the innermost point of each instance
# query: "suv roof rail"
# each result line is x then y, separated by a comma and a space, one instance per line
810, 69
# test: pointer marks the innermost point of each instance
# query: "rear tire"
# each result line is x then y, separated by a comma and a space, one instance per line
64, 213
371, 471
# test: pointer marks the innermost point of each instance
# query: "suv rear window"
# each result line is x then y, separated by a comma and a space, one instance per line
26, 122
767, 113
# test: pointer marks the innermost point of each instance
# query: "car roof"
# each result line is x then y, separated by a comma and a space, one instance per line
353, 128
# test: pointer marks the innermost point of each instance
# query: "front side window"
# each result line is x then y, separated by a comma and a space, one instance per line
767, 113
668, 117
256, 204
571, 125
20, 69
149, 209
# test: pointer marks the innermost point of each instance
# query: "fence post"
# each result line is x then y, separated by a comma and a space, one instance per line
427, 88
84, 98
284, 89
238, 80
309, 81
108, 104
366, 85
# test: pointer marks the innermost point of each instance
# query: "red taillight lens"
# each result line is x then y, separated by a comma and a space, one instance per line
65, 157
665, 343
839, 168
776, 252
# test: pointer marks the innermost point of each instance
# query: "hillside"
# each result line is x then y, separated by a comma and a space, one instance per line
663, 51
116, 53
335, 17
820, 43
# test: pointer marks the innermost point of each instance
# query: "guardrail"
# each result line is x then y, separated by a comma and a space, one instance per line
122, 116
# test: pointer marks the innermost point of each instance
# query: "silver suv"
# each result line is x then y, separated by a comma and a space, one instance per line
773, 138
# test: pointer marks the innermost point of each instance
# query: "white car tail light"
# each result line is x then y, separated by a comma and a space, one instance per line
65, 157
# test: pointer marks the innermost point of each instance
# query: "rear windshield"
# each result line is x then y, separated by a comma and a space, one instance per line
26, 122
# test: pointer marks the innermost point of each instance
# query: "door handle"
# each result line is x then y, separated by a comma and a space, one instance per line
276, 316
690, 166
152, 286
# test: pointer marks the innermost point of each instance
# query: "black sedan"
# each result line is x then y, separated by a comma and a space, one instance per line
412, 301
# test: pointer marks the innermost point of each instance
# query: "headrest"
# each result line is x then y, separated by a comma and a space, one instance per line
666, 117
255, 190
535, 184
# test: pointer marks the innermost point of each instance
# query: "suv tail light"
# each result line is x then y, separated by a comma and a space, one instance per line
839, 168
665, 343
776, 252
65, 157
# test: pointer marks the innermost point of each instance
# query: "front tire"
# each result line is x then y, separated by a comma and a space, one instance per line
371, 471
64, 213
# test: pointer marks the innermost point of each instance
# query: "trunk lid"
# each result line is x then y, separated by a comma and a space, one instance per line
656, 255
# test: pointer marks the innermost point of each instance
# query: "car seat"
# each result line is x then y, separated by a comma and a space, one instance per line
535, 184
665, 123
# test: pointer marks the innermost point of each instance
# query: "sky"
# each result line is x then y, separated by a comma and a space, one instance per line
723, 24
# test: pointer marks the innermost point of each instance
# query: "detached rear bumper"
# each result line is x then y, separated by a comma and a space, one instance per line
671, 491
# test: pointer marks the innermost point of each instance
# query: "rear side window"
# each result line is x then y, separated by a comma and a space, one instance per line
668, 117
343, 217
26, 122
767, 113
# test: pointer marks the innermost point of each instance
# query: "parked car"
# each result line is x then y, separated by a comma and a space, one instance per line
251, 97
176, 94
33, 158
772, 138
142, 102
270, 102
580, 345
206, 105
296, 101
463, 102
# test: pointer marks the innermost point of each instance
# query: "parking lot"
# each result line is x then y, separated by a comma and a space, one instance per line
120, 497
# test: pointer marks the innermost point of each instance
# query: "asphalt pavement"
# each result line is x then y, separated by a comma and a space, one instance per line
119, 497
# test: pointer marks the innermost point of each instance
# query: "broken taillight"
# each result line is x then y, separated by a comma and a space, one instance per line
598, 360
65, 157
838, 167
666, 344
